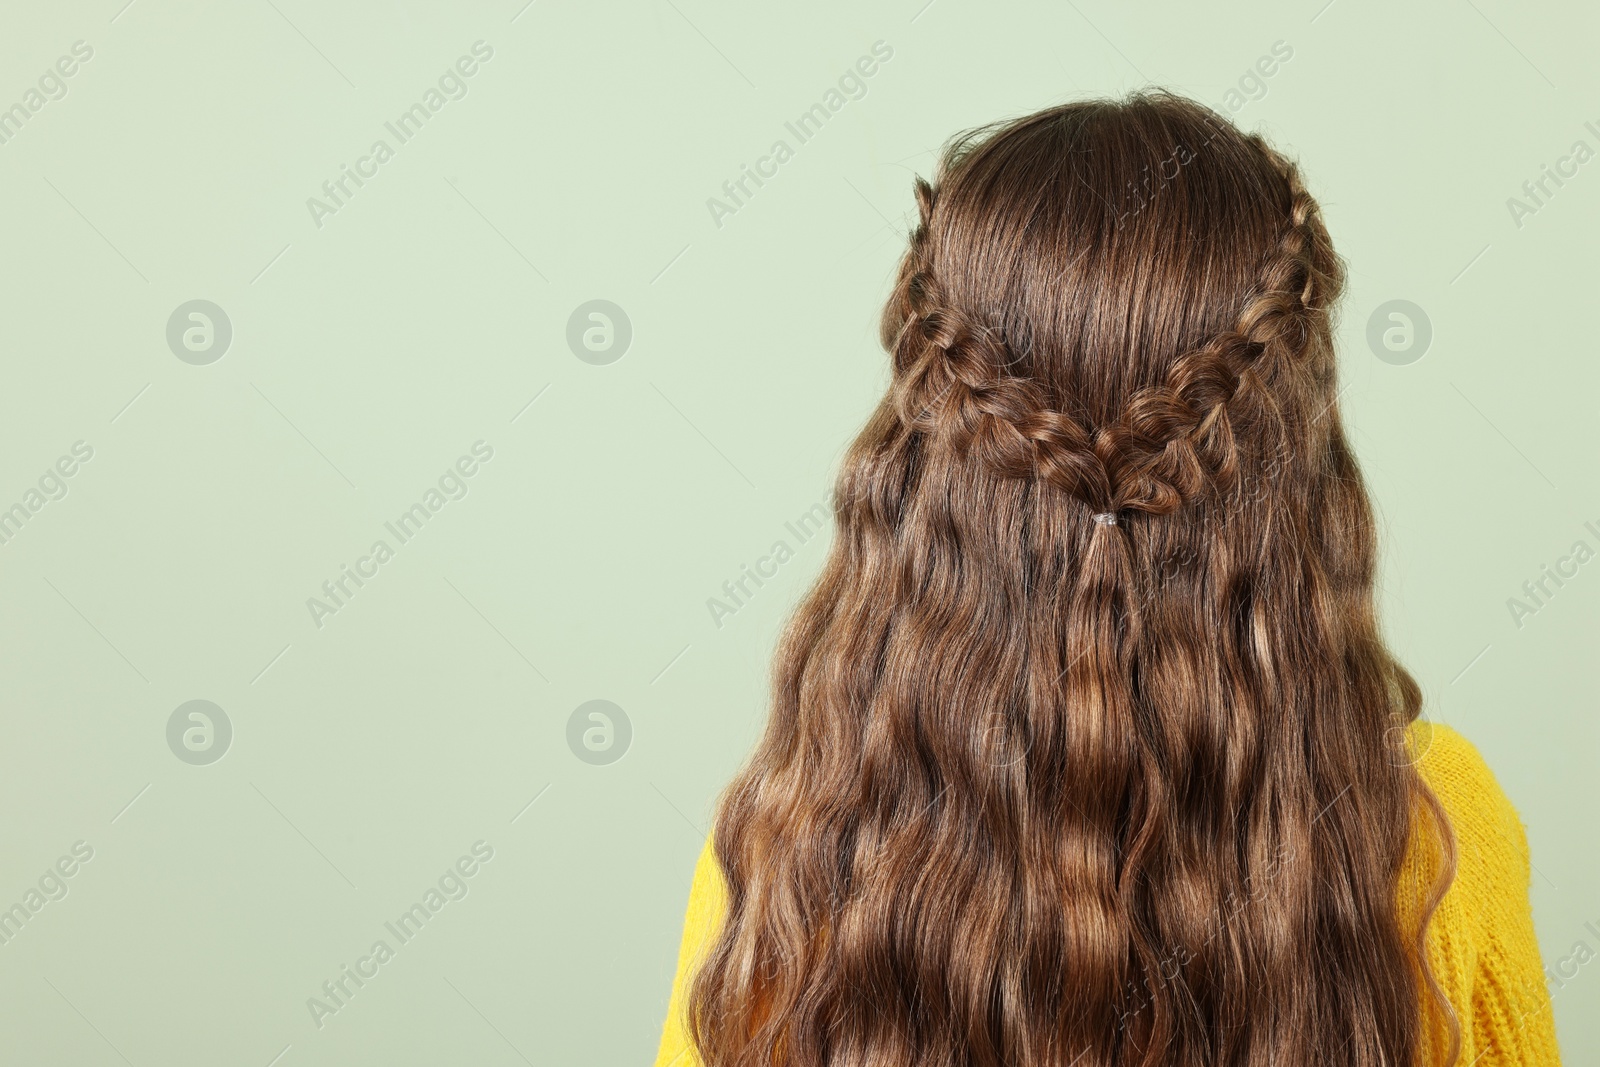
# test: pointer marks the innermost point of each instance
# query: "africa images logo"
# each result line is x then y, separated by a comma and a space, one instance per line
451, 85
337, 992
851, 84
452, 485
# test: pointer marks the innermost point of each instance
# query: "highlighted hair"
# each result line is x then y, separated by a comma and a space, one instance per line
1039, 790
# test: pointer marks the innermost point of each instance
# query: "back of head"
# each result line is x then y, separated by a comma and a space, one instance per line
1083, 746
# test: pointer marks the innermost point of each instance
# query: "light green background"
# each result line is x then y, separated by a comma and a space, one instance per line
370, 353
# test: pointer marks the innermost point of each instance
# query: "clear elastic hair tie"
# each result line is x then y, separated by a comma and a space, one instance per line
1106, 518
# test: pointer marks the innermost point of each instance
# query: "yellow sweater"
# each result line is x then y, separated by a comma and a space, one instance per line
1481, 943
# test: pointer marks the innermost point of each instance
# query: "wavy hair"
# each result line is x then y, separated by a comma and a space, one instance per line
1082, 748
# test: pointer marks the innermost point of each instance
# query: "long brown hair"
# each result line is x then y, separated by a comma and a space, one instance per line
1082, 745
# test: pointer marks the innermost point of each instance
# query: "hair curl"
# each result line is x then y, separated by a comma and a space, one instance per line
1041, 790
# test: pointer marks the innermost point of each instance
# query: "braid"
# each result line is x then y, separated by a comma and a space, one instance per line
1174, 441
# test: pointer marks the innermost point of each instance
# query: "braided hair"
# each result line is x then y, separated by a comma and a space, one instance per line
1174, 440
1081, 747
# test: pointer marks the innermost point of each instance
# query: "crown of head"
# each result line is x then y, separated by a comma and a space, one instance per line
1174, 439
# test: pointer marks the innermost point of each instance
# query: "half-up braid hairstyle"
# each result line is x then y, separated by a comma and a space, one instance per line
1082, 750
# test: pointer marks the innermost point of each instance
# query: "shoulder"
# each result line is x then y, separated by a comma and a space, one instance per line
1491, 843
1451, 764
708, 882
1488, 950
708, 901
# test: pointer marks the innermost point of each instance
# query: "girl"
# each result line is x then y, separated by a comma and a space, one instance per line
1085, 748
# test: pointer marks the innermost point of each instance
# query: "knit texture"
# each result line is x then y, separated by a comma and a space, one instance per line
1480, 941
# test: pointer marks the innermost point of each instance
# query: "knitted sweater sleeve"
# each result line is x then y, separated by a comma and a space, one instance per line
1510, 1013
707, 902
